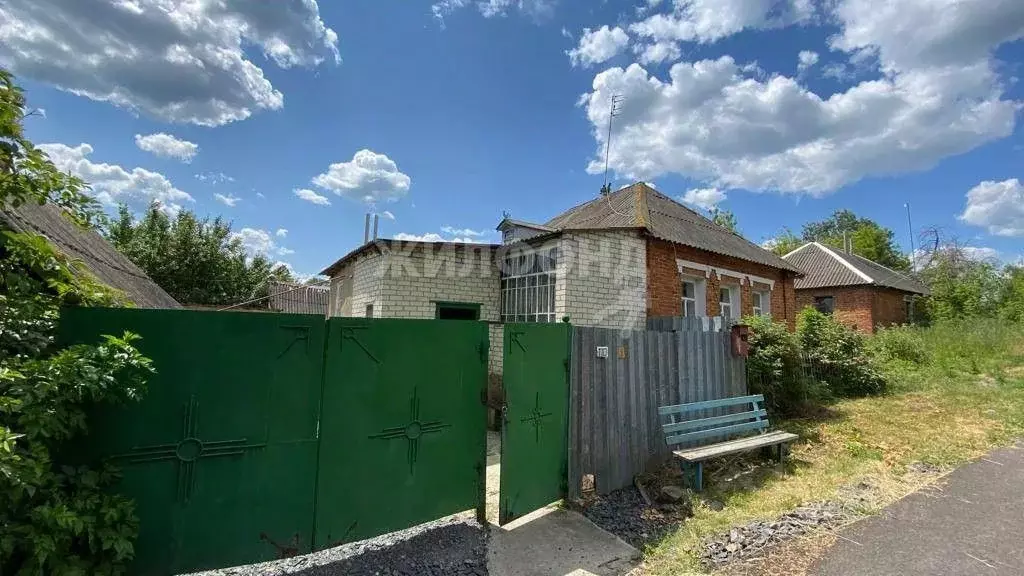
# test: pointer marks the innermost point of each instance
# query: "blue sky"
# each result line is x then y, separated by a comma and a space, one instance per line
444, 114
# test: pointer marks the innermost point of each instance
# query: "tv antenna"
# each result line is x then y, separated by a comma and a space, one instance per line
614, 109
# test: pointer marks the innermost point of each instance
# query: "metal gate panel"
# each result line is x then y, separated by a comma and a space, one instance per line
534, 442
403, 438
220, 455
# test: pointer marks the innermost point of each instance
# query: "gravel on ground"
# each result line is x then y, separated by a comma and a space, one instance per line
456, 546
626, 514
753, 539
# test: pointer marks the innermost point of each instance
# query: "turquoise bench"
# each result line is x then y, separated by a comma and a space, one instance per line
752, 425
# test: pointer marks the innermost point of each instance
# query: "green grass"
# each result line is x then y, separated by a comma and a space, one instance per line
956, 391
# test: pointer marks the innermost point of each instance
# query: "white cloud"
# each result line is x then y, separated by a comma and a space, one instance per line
227, 200
725, 124
369, 177
214, 177
433, 237
167, 146
996, 206
597, 46
176, 61
259, 242
387, 215
111, 183
281, 232
463, 231
707, 21
806, 60
311, 196
657, 52
537, 9
706, 198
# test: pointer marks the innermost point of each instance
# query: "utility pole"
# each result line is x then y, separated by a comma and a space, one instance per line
910, 229
613, 111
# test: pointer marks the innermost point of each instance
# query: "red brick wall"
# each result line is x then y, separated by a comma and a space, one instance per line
853, 306
664, 285
890, 307
865, 308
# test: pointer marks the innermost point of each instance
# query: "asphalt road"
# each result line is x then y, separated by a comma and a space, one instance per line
972, 523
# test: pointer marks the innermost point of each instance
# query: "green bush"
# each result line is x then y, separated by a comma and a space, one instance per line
900, 343
55, 518
774, 368
838, 355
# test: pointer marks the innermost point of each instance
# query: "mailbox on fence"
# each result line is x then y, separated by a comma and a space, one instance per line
740, 335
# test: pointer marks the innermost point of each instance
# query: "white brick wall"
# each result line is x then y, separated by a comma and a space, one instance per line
413, 282
357, 285
602, 279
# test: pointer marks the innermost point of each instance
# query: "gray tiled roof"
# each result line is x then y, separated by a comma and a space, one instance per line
640, 206
92, 250
826, 267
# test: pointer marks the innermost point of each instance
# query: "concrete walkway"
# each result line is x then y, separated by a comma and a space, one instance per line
556, 542
972, 523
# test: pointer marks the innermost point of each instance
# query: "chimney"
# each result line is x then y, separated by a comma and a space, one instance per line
366, 229
376, 222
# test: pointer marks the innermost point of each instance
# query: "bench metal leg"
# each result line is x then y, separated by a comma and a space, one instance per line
693, 475
783, 452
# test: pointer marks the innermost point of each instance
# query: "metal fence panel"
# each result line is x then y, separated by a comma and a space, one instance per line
534, 433
220, 455
403, 438
615, 431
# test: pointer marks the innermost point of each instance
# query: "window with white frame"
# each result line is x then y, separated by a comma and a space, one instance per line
728, 302
528, 286
762, 300
694, 301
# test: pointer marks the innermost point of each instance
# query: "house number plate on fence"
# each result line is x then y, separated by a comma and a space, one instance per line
602, 351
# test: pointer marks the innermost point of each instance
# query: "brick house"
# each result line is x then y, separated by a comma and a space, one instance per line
611, 262
858, 292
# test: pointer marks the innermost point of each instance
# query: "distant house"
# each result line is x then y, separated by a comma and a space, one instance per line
612, 262
857, 291
90, 249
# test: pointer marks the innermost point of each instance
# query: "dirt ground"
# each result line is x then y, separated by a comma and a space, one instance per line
493, 474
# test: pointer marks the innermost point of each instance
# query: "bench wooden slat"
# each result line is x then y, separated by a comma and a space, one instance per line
721, 431
733, 446
693, 424
693, 406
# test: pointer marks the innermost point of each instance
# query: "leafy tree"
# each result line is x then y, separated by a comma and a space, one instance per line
724, 218
785, 242
55, 517
961, 286
195, 261
868, 238
1012, 307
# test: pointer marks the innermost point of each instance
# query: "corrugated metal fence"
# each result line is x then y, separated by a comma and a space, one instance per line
298, 298
614, 428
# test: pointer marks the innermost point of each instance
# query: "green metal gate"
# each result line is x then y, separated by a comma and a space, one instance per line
534, 443
403, 438
220, 456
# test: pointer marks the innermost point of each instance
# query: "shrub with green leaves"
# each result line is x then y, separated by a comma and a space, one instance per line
774, 367
901, 343
56, 518
838, 355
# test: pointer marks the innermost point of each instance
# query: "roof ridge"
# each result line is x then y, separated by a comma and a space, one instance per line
794, 251
903, 274
843, 261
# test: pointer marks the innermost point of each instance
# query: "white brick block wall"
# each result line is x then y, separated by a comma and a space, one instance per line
602, 279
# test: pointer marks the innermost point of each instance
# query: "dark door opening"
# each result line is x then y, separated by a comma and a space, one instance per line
457, 311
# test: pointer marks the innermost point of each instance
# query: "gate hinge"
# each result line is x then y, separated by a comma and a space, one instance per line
482, 349
483, 397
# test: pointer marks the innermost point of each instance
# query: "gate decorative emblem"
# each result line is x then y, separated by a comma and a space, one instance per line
413, 431
187, 451
536, 417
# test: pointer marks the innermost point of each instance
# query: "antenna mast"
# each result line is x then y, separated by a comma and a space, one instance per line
614, 109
